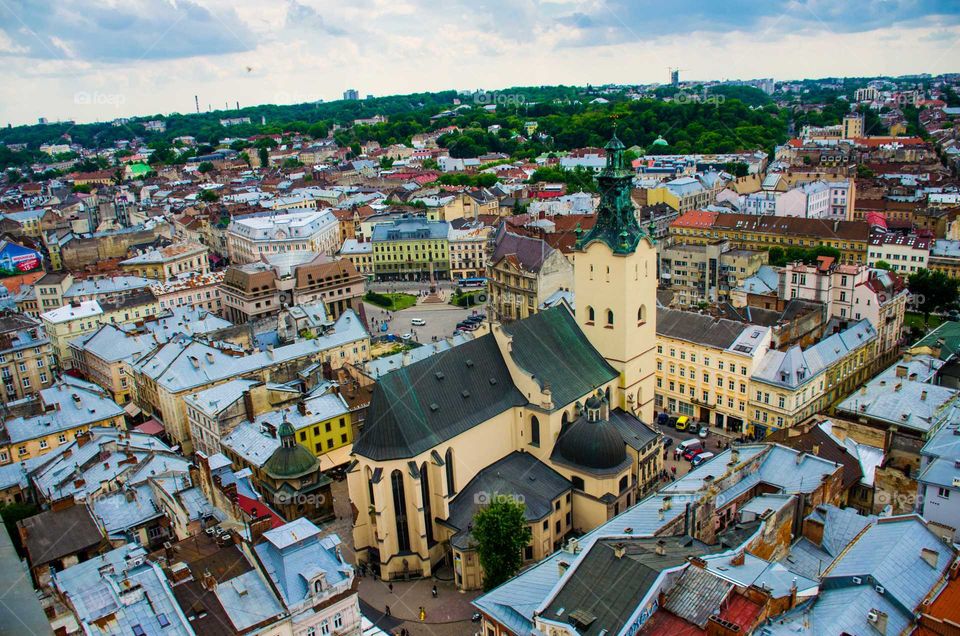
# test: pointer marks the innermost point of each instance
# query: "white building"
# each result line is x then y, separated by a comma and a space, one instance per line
905, 254
252, 236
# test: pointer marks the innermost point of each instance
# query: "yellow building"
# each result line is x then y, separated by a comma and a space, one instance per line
55, 418
704, 366
789, 386
169, 262
465, 205
82, 317
411, 249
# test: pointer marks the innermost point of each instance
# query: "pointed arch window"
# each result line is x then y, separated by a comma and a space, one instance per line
591, 315
448, 465
534, 431
400, 511
609, 317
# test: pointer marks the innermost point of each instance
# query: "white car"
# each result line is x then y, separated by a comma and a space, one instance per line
418, 322
407, 336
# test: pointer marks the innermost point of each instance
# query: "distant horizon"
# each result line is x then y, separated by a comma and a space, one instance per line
233, 109
97, 60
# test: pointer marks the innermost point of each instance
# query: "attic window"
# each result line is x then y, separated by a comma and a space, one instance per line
434, 407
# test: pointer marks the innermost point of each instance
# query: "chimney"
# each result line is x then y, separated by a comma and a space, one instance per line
562, 567
929, 557
660, 514
879, 621
901, 371
799, 457
248, 406
738, 558
666, 502
302, 407
210, 357
619, 550
83, 438
131, 494
661, 547
923, 394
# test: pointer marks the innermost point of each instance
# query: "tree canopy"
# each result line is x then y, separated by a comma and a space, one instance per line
501, 532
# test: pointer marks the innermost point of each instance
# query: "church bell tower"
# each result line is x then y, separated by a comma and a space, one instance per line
615, 287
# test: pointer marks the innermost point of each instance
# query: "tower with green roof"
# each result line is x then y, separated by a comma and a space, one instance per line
615, 287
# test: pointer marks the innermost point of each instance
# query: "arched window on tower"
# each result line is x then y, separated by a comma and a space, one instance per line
425, 494
448, 459
591, 315
534, 431
642, 314
609, 317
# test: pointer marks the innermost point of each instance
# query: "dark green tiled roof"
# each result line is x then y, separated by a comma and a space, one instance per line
551, 346
290, 462
950, 332
415, 408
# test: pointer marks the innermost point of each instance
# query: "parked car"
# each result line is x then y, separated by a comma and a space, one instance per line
467, 326
672, 421
667, 442
686, 445
473, 320
407, 336
692, 452
418, 322
662, 419
704, 431
699, 458
682, 423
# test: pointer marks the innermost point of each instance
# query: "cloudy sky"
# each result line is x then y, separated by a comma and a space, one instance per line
100, 59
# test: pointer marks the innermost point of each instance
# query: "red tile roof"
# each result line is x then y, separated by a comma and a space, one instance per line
258, 510
946, 607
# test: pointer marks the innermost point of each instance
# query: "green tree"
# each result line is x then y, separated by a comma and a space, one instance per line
932, 291
208, 196
205, 167
85, 188
264, 155
883, 265
501, 532
291, 162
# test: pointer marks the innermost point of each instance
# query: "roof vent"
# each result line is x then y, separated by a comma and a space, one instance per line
438, 375
469, 362
465, 393
434, 407
493, 380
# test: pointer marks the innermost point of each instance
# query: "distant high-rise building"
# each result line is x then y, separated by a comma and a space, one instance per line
853, 126
42, 120
675, 77
351, 93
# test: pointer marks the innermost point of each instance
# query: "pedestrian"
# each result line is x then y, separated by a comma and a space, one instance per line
390, 587
434, 591
386, 611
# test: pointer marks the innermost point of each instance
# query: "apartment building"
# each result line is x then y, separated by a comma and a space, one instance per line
169, 262
704, 365
360, 254
257, 290
684, 193
199, 291
411, 248
904, 253
750, 232
82, 317
790, 386
522, 273
706, 273
254, 235
186, 366
852, 292
55, 417
468, 251
26, 357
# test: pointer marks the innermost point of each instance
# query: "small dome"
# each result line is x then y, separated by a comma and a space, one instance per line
291, 460
592, 445
593, 402
660, 141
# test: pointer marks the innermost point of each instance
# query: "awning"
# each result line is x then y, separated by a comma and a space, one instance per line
150, 427
336, 457
132, 409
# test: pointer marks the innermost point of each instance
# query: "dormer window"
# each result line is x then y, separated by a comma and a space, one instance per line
319, 584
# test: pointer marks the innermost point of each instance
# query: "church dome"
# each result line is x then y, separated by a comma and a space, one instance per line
660, 141
592, 445
291, 460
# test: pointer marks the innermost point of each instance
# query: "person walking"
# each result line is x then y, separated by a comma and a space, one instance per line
434, 591
386, 611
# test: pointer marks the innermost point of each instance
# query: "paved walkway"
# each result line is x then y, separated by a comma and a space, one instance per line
406, 598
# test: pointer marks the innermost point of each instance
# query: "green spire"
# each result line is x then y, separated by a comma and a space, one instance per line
616, 223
